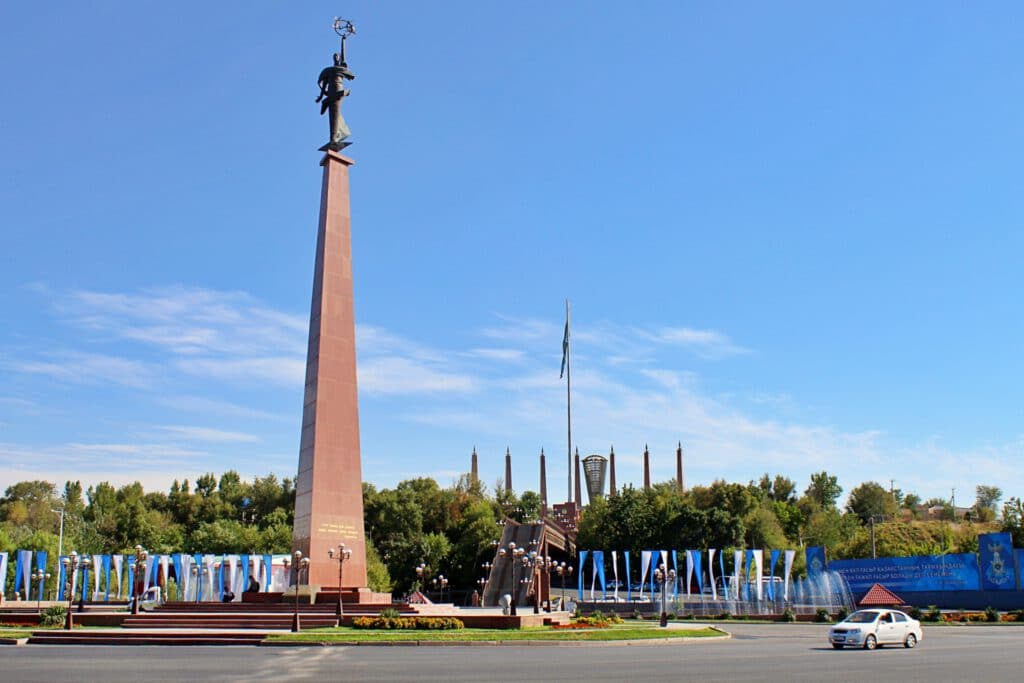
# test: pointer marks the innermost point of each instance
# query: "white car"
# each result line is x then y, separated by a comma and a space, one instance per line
871, 628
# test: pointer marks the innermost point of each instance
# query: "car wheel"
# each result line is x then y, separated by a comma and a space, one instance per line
870, 643
837, 646
910, 642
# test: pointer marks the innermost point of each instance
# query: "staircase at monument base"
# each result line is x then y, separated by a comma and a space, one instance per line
245, 615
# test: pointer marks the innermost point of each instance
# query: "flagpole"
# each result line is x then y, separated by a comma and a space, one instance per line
568, 400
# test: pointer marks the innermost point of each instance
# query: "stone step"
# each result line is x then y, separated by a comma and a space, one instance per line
126, 638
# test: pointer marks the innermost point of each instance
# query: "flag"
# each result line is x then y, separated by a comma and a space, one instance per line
565, 346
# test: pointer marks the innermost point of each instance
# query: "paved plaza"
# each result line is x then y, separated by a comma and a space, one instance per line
789, 652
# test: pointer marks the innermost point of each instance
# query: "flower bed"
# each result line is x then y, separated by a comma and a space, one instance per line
408, 623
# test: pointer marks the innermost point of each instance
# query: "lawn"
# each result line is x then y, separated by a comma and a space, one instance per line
538, 633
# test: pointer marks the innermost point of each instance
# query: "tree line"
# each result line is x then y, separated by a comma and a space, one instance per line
451, 529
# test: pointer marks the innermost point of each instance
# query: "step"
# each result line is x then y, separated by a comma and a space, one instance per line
123, 638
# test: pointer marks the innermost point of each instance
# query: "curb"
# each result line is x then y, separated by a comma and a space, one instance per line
13, 641
499, 643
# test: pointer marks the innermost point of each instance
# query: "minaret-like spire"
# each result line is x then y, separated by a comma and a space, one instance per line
508, 471
680, 484
543, 485
647, 469
579, 497
611, 463
474, 472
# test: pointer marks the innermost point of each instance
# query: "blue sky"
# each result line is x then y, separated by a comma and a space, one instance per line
791, 234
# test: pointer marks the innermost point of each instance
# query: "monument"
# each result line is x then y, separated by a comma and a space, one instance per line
329, 488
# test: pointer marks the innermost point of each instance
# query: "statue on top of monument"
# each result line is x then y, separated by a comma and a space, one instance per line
332, 89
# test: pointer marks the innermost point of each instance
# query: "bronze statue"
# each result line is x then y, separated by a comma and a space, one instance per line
333, 91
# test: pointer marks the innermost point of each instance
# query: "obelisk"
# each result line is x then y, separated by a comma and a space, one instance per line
680, 483
647, 469
329, 489
611, 466
543, 486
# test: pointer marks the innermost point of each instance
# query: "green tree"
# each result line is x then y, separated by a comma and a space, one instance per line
988, 498
871, 499
824, 489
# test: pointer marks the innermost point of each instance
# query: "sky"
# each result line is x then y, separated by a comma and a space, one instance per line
790, 234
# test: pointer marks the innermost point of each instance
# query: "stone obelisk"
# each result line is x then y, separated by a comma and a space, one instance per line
680, 483
543, 485
611, 466
329, 489
647, 469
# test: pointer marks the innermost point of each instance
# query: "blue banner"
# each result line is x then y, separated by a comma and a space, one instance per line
680, 575
583, 558
995, 561
41, 566
721, 574
106, 571
599, 570
244, 561
774, 555
61, 577
19, 570
954, 572
816, 564
629, 582
696, 555
268, 570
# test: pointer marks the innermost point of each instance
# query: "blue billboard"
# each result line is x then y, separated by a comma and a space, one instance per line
954, 572
995, 560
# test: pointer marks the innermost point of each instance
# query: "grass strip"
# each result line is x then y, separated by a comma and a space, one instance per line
541, 633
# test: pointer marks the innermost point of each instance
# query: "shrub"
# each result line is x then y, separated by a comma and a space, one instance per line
637, 614
915, 613
842, 613
408, 623
1015, 615
723, 616
53, 615
788, 615
991, 613
822, 616
389, 613
933, 614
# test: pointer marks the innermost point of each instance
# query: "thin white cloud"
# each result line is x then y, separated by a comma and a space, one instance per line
393, 375
709, 344
208, 434
88, 368
506, 355
279, 371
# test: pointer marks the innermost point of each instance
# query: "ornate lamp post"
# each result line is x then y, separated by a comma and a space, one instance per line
39, 576
300, 563
563, 570
514, 554
664, 577
140, 577
422, 574
197, 575
342, 554
72, 564
439, 583
546, 566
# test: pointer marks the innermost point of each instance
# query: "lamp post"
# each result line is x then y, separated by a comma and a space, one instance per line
300, 563
197, 575
663, 577
514, 554
72, 563
343, 554
439, 583
140, 574
40, 576
547, 565
872, 519
563, 569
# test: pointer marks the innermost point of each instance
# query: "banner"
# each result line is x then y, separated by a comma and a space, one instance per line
23, 573
689, 570
106, 573
257, 569
773, 560
41, 566
97, 574
696, 555
645, 562
232, 576
598, 573
62, 578
243, 562
118, 561
130, 586
737, 574
268, 568
209, 591
583, 559
615, 575
165, 573
629, 581
711, 573
995, 560
816, 563
921, 573
659, 557
787, 562
3, 573
85, 581
747, 568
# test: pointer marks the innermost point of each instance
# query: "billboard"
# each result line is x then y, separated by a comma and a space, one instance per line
953, 572
995, 560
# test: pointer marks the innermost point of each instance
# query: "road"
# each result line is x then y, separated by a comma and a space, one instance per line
783, 652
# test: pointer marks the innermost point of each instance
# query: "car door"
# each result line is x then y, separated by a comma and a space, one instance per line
886, 629
901, 626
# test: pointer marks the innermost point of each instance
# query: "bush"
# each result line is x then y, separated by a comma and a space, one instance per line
991, 613
637, 614
822, 616
788, 615
53, 615
915, 613
723, 616
1015, 615
842, 613
389, 613
933, 614
408, 623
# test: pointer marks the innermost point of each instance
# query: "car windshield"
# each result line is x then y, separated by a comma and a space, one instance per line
862, 617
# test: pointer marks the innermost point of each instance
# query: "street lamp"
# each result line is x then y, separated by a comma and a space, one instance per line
197, 575
872, 519
664, 577
299, 563
563, 569
514, 554
72, 563
546, 566
40, 576
439, 583
140, 574
343, 554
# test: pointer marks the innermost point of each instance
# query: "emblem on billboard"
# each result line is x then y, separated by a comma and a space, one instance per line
996, 572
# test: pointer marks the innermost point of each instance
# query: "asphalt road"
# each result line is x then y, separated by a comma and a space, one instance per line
756, 653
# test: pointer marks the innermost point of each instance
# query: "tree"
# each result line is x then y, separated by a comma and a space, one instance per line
824, 489
987, 499
871, 499
1013, 520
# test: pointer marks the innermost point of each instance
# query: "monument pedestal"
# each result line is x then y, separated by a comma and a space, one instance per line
329, 488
